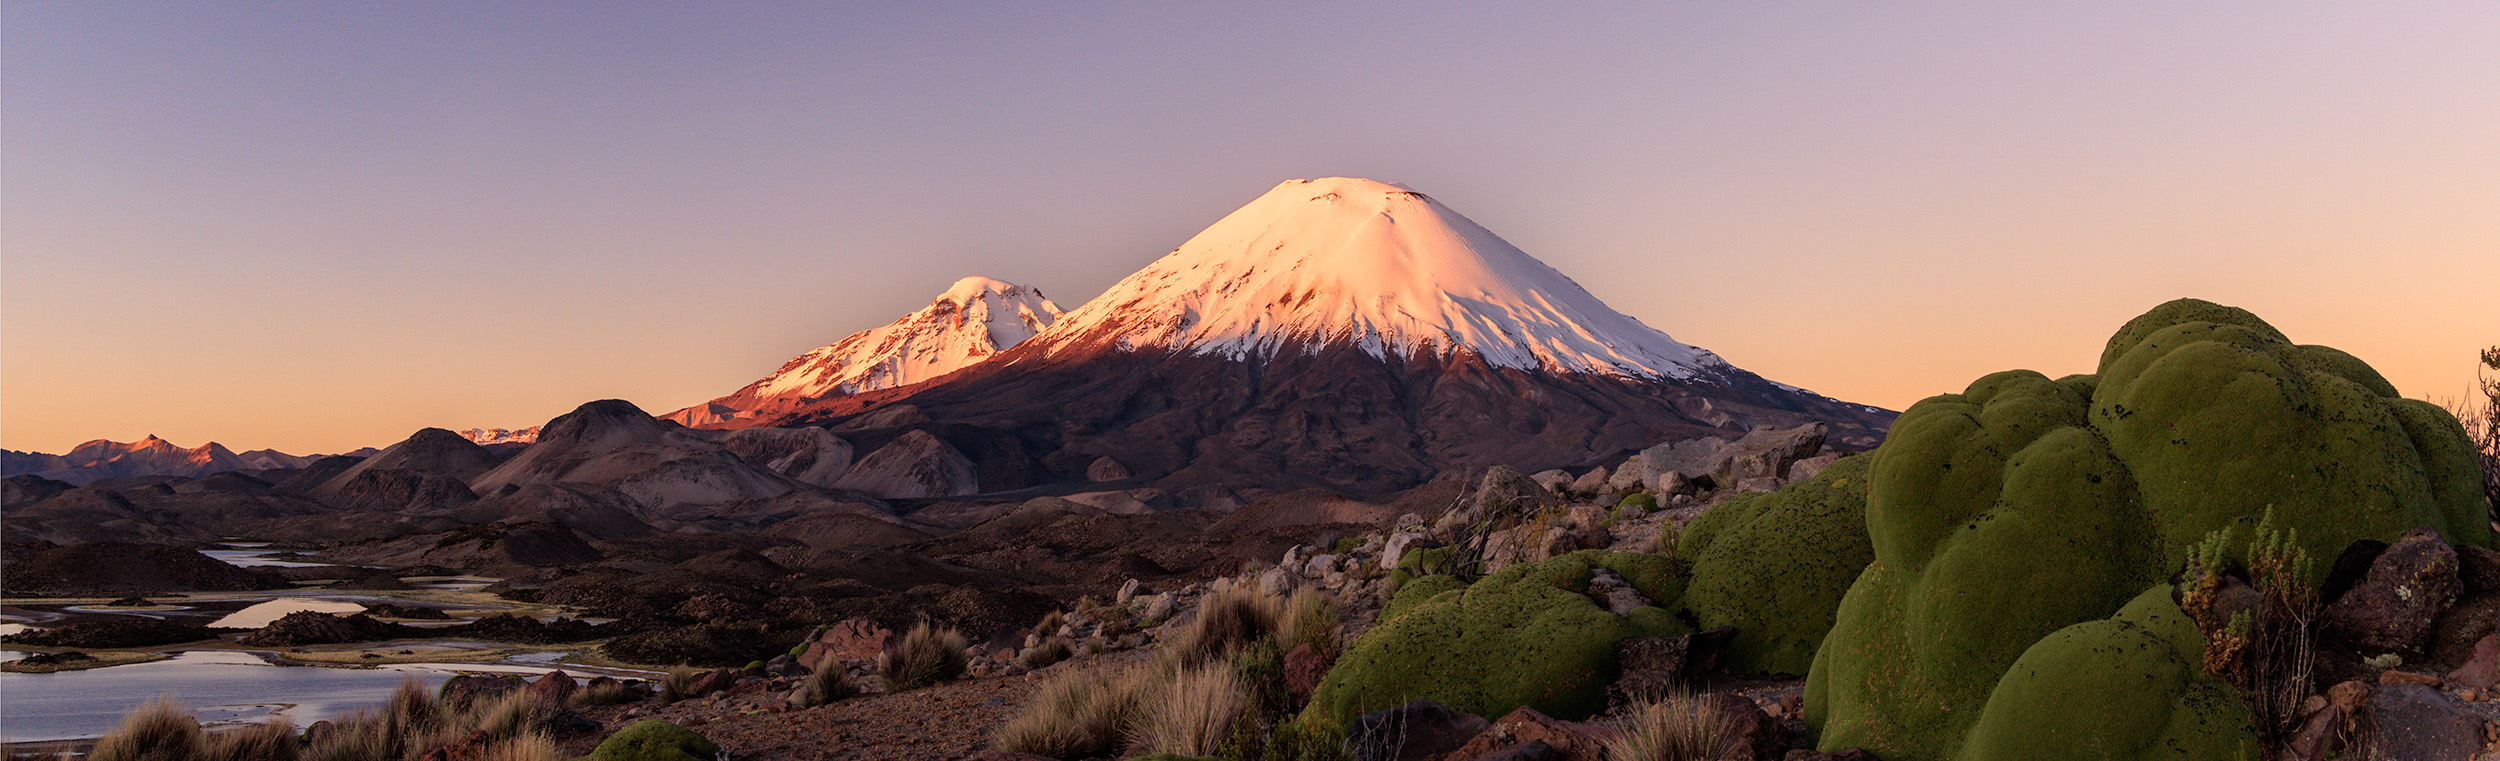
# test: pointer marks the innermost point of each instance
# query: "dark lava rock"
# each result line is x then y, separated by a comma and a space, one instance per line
553, 688
469, 689
2391, 609
306, 627
1653, 667
131, 602
511, 627
716, 680
1413, 732
701, 646
68, 658
410, 612
2415, 721
1745, 731
100, 568
1527, 733
116, 632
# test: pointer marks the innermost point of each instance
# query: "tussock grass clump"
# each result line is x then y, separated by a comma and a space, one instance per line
1051, 650
1049, 625
1675, 727
829, 682
270, 741
156, 731
1078, 714
926, 655
1226, 621
503, 717
678, 683
528, 746
1193, 714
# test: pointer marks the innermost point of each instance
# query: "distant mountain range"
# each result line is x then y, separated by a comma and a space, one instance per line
101, 459
1340, 333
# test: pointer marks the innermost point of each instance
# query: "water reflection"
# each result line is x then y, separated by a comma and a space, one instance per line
218, 685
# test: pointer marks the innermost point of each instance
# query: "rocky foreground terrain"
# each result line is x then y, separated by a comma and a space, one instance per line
2221, 545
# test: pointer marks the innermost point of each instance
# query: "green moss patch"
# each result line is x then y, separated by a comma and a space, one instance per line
655, 740
1775, 566
2021, 528
1527, 635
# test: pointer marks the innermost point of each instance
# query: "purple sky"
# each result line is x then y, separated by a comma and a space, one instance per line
322, 226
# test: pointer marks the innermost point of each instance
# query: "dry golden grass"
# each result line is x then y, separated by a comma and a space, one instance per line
271, 741
529, 746
925, 656
828, 682
1226, 621
1077, 714
1676, 727
156, 731
1051, 650
1190, 715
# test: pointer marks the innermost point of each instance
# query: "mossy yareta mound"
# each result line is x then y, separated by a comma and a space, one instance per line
1775, 566
654, 740
1527, 635
2011, 523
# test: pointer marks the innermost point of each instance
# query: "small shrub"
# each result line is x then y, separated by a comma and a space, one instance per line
1191, 715
1049, 626
273, 740
156, 731
829, 682
925, 656
1345, 545
1077, 714
1051, 650
1676, 728
1260, 669
1309, 617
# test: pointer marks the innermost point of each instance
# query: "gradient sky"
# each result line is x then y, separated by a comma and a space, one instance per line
316, 227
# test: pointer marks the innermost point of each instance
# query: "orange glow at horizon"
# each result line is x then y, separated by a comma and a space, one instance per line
323, 229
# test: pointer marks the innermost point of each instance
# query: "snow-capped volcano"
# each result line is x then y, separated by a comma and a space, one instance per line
1344, 261
1341, 333
974, 319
